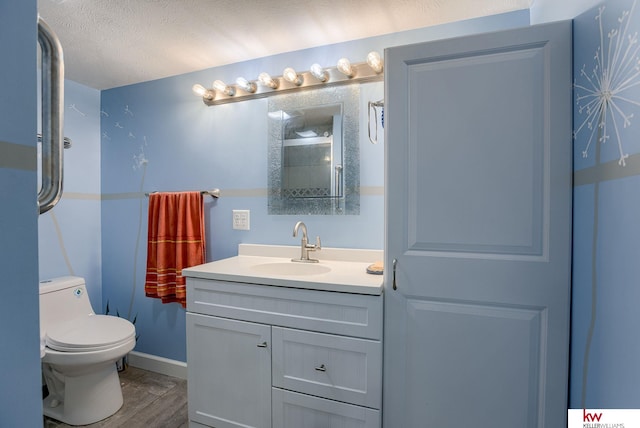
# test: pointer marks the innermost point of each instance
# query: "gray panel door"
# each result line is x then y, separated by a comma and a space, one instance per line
478, 209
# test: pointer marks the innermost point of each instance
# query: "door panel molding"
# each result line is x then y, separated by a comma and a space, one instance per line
487, 217
513, 350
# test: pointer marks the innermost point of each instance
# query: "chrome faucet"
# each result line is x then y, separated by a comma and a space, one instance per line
305, 247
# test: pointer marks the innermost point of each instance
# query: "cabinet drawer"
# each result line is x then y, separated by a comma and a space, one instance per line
336, 367
340, 313
294, 410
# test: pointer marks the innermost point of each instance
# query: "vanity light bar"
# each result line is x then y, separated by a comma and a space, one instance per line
246, 90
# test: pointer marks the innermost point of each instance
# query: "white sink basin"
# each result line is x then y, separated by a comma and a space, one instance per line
290, 268
340, 269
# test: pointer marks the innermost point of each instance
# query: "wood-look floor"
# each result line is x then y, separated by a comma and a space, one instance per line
150, 400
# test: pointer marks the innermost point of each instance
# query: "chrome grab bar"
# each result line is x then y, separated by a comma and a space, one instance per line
52, 117
337, 185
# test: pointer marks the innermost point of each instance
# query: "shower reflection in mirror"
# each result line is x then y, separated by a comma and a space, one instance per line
313, 153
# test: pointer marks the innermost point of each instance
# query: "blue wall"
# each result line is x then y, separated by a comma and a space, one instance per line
158, 136
20, 393
554, 10
605, 345
69, 235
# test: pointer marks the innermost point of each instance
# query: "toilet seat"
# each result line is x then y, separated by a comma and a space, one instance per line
90, 333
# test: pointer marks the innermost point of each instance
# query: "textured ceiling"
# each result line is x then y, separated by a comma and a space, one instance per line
110, 43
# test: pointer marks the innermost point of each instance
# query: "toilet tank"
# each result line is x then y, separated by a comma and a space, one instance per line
62, 299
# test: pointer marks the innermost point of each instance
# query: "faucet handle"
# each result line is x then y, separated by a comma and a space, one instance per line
316, 247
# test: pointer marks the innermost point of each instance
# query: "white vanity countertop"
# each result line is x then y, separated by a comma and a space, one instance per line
346, 269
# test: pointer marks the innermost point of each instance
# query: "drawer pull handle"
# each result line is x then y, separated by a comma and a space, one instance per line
262, 345
322, 368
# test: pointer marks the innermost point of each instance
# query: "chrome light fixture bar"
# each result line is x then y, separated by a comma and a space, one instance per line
317, 77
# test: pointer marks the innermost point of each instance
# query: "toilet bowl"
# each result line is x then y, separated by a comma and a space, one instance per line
79, 350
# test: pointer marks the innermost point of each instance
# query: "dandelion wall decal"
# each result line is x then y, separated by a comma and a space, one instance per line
139, 160
73, 107
602, 93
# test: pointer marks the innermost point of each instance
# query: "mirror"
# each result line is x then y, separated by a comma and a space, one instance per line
314, 165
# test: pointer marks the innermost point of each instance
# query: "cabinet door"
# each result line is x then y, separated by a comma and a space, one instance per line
229, 372
478, 219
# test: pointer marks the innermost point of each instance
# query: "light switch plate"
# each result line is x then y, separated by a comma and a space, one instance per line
241, 219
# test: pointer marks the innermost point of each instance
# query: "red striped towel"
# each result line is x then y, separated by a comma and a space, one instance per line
176, 240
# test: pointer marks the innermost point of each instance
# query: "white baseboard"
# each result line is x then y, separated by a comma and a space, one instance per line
157, 364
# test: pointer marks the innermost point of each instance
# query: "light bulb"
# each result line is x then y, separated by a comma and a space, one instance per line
266, 80
220, 86
245, 85
344, 66
319, 73
290, 75
375, 62
203, 92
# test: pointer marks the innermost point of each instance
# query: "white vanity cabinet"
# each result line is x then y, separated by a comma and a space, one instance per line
269, 356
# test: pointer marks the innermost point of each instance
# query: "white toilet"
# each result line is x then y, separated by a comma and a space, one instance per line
79, 350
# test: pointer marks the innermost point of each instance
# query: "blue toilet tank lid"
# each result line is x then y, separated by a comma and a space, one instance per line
61, 283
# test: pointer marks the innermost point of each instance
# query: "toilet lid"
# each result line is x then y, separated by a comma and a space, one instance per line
91, 333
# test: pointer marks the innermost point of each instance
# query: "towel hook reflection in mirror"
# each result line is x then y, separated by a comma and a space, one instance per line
375, 106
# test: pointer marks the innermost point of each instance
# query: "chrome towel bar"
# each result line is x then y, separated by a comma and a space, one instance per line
214, 193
